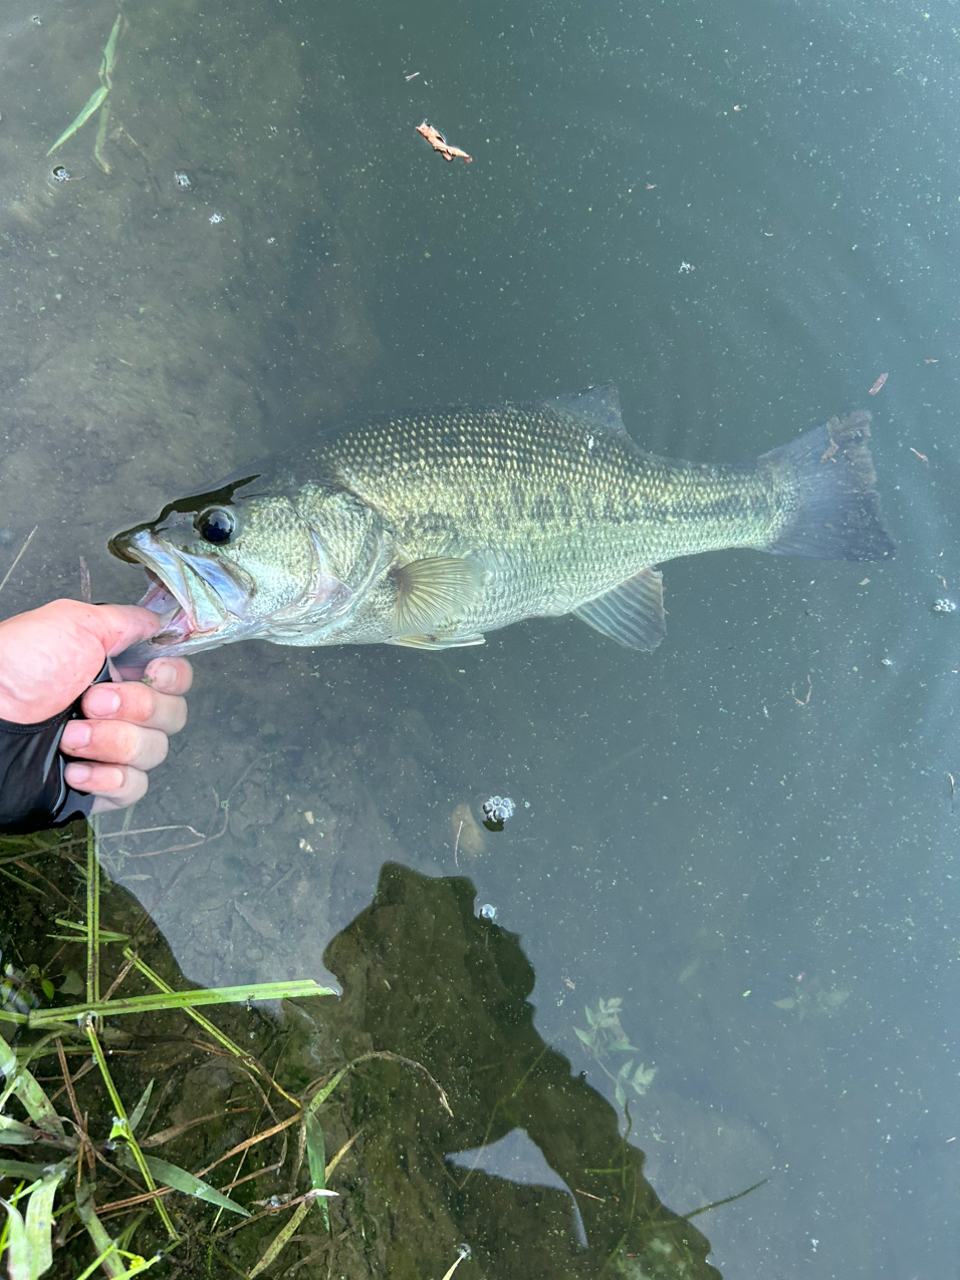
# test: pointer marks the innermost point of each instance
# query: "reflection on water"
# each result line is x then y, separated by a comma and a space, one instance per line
764, 879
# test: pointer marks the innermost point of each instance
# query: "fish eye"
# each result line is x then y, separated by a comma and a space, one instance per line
215, 525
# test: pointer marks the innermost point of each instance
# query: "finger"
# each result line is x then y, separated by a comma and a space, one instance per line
116, 742
168, 675
114, 786
135, 702
114, 626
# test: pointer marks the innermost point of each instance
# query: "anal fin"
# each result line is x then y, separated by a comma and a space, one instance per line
631, 613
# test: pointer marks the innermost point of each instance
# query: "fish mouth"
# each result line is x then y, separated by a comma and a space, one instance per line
200, 601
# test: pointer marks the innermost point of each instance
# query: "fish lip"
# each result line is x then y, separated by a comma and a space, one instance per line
186, 599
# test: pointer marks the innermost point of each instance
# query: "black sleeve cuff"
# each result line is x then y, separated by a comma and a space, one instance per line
34, 795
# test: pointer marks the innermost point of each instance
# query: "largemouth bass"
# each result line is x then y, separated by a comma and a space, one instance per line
431, 528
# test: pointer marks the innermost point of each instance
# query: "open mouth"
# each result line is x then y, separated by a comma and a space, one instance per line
179, 623
200, 600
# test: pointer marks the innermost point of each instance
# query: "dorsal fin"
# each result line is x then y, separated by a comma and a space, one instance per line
599, 405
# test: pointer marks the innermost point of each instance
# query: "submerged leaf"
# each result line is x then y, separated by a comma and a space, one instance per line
316, 1152
317, 1160
173, 1176
643, 1079
94, 101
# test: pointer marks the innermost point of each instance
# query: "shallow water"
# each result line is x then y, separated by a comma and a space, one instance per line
766, 881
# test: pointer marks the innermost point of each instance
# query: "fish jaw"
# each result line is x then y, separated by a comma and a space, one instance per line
202, 600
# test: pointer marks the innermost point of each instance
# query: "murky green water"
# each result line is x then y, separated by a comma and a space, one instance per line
765, 881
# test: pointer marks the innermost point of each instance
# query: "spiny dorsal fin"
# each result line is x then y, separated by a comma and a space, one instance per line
598, 405
631, 613
434, 592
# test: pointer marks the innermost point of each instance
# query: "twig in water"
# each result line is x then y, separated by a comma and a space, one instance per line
6, 576
802, 702
86, 595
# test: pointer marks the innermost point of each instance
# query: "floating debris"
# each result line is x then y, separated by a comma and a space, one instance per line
943, 605
439, 143
182, 180
488, 911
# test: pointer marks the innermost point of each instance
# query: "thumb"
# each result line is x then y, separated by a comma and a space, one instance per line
116, 626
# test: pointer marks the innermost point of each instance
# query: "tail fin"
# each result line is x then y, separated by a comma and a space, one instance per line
825, 479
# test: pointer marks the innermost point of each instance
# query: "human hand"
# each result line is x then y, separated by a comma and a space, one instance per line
49, 656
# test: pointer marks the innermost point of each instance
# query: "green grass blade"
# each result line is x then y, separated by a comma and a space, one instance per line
80, 932
94, 101
280, 1240
21, 1169
106, 1247
18, 1247
93, 907
109, 59
39, 1223
317, 1161
121, 1125
20, 1082
15, 1134
316, 1153
137, 1114
211, 1028
173, 1176
180, 1000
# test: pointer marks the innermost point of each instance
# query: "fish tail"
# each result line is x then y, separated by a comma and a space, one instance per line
825, 482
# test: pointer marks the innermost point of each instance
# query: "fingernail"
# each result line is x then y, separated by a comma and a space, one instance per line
77, 775
76, 735
161, 675
101, 700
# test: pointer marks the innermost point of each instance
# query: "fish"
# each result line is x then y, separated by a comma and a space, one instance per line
431, 528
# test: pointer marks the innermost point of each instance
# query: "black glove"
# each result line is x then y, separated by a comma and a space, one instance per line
34, 795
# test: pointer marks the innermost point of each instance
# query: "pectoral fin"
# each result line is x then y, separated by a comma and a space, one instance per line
631, 613
433, 593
